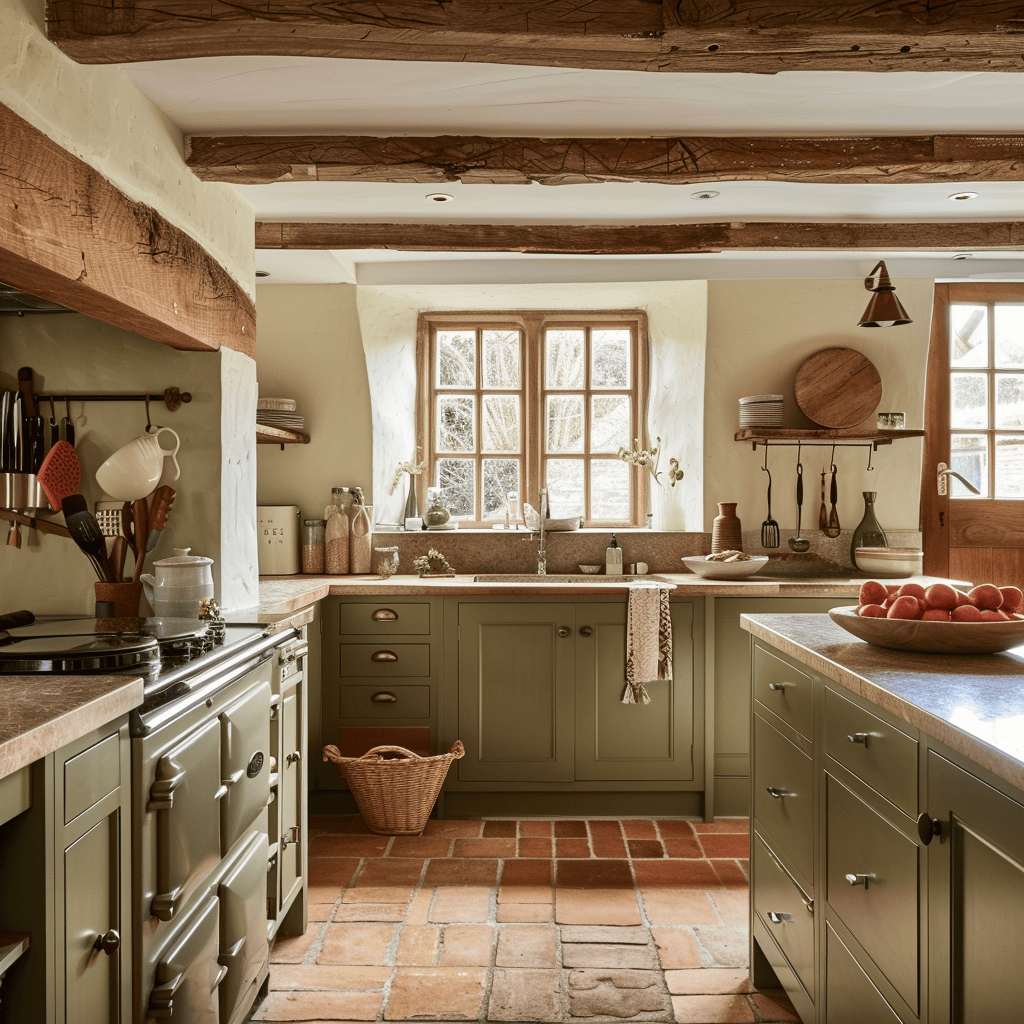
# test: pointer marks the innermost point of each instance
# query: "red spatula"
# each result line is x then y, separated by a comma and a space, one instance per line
60, 473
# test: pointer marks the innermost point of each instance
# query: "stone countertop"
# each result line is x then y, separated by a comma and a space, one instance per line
974, 703
282, 594
40, 713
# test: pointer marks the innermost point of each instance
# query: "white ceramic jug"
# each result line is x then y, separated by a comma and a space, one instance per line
182, 581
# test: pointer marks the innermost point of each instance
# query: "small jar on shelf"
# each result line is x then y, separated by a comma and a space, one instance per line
313, 546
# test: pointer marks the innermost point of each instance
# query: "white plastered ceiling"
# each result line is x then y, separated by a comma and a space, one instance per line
281, 95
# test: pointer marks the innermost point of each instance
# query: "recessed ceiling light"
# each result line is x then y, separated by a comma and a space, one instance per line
703, 195
962, 256
961, 196
440, 197
263, 273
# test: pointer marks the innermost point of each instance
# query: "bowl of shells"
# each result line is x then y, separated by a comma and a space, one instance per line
725, 565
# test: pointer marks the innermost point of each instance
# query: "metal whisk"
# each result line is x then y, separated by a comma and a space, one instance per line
769, 528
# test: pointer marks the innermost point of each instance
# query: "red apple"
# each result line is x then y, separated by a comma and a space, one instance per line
1013, 598
965, 613
994, 615
985, 596
1017, 616
962, 599
891, 599
940, 596
912, 590
935, 615
872, 592
892, 588
905, 607
871, 611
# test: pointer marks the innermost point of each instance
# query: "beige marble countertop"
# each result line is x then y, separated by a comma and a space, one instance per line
40, 713
974, 703
282, 594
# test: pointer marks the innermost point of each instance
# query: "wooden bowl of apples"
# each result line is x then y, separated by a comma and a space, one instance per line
937, 619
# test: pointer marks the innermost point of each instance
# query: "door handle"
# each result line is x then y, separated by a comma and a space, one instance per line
780, 687
383, 697
859, 879
775, 793
777, 918
928, 828
586, 631
859, 737
942, 471
384, 615
109, 943
564, 630
383, 656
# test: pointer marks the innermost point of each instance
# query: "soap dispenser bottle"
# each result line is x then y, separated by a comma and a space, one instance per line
613, 559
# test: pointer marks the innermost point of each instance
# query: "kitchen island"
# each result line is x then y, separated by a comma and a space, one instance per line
887, 826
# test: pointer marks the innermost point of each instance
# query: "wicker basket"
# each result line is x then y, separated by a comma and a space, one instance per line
395, 795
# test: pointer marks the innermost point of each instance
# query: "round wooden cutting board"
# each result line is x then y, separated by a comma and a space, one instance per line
837, 387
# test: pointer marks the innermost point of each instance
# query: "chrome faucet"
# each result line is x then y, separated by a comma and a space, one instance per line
542, 553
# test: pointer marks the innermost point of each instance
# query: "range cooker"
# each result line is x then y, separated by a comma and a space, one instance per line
202, 780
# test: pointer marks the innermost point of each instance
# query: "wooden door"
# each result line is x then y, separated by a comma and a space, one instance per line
974, 423
516, 670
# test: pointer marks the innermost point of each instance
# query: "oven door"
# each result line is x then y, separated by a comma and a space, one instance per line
245, 761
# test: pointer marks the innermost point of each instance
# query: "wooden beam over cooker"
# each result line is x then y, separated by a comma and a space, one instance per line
764, 36
66, 234
642, 239
258, 160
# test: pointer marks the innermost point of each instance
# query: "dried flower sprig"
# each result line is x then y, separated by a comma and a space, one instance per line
674, 472
411, 467
433, 563
646, 459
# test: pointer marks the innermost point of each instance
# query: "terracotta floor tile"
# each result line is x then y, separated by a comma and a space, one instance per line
467, 945
469, 904
523, 912
677, 948
732, 873
436, 993
533, 828
484, 848
327, 823
683, 845
389, 871
527, 945
418, 945
569, 828
603, 933
732, 904
525, 994
290, 949
320, 911
597, 906
572, 848
724, 825
609, 956
420, 907
709, 981
774, 1005
527, 872
420, 846
725, 845
308, 1006
677, 828
609, 848
534, 848
641, 828
348, 846
328, 876
461, 872
453, 828
369, 912
678, 906
727, 945
379, 894
357, 826
536, 894
604, 829
645, 848
687, 874
314, 977
500, 829
593, 874
617, 994
355, 945
712, 1009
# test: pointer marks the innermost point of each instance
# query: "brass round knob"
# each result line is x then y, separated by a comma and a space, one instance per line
564, 630
586, 631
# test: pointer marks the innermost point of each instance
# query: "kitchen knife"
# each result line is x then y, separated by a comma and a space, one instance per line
5, 431
32, 423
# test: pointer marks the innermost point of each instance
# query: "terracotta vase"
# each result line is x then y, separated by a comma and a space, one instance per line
727, 531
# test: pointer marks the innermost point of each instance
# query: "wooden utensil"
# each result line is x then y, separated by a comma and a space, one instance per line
159, 510
140, 517
837, 387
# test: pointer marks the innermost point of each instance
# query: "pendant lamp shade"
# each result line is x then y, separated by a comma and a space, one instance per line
884, 309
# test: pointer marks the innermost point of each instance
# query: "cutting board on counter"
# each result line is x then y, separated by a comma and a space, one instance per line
837, 387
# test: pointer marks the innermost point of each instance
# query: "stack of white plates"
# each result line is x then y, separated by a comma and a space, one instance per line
279, 412
761, 411
277, 404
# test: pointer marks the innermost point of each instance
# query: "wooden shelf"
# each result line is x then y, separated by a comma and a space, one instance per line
12, 946
822, 436
275, 435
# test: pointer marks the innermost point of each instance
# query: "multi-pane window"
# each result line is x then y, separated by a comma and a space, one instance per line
986, 390
510, 404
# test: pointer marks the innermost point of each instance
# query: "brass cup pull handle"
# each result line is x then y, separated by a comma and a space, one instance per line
383, 656
586, 631
780, 687
859, 879
383, 697
384, 615
777, 918
859, 737
109, 943
564, 630
775, 793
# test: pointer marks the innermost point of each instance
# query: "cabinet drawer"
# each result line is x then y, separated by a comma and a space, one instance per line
784, 690
384, 618
374, 702
384, 660
850, 995
90, 776
785, 911
872, 884
784, 797
877, 753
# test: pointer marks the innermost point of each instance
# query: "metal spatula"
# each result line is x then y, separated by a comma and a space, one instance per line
769, 528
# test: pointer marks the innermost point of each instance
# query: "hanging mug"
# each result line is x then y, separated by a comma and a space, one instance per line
134, 470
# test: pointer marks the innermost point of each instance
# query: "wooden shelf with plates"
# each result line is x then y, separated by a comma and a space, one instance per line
275, 435
822, 436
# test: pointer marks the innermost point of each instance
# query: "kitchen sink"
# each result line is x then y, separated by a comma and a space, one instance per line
578, 577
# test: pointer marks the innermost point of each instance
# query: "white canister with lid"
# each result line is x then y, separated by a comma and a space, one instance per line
182, 582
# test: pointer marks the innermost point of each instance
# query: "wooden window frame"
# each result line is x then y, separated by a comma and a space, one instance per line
531, 324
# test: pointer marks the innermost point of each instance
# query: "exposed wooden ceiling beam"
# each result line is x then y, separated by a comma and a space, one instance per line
257, 160
642, 239
66, 234
762, 36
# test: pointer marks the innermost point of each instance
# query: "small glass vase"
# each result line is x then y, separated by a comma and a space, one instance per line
869, 534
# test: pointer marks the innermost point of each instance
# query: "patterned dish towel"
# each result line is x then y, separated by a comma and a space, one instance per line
648, 641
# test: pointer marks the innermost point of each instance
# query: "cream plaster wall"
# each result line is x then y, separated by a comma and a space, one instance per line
95, 112
310, 349
759, 332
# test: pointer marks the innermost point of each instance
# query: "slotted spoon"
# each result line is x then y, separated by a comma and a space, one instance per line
769, 528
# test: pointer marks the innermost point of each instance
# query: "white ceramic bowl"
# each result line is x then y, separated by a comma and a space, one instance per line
725, 570
891, 563
590, 570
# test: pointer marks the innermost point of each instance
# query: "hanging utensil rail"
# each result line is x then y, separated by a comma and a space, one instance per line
173, 398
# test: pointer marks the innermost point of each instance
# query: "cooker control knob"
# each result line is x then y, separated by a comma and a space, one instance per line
109, 943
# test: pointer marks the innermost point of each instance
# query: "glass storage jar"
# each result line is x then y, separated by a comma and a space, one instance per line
313, 546
386, 562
